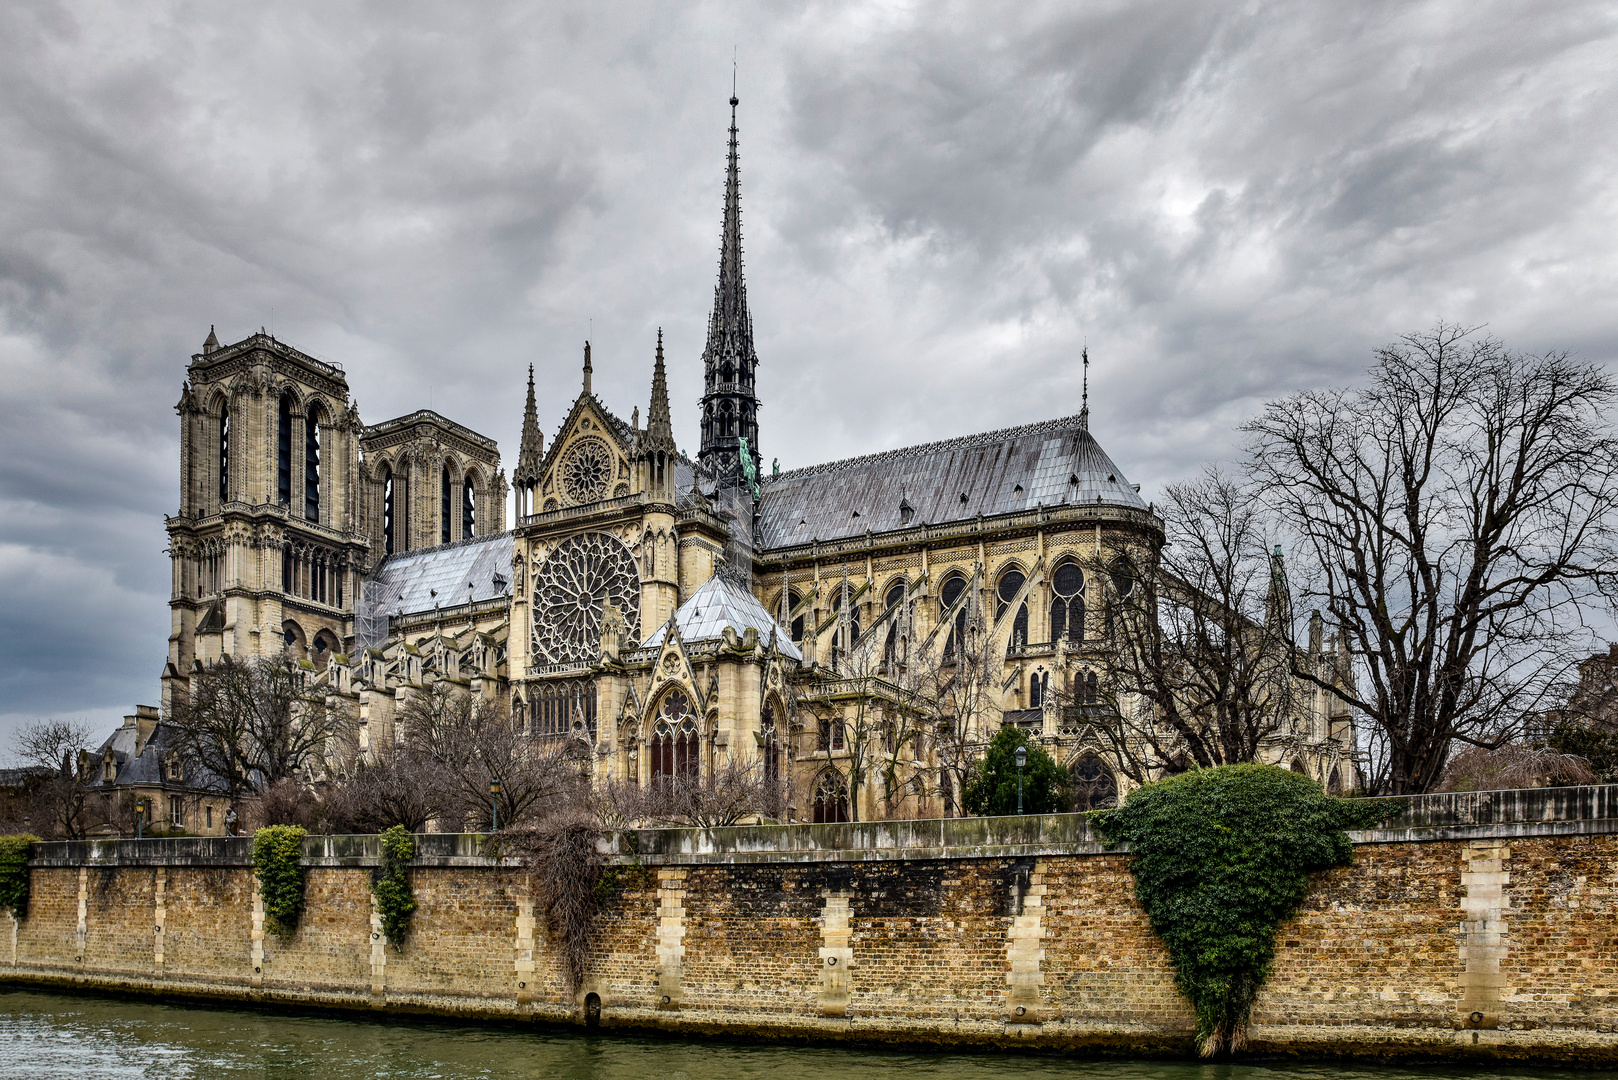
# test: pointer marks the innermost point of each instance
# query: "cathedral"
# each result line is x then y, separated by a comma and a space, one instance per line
847, 628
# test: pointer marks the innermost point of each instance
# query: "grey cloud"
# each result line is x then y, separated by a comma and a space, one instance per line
942, 205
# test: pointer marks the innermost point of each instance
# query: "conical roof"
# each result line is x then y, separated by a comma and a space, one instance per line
717, 604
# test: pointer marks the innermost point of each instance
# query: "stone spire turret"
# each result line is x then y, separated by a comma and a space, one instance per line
587, 368
211, 343
526, 475
655, 451
729, 402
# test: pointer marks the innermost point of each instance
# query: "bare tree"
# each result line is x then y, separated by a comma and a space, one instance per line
727, 795
1198, 668
473, 745
955, 686
389, 785
1456, 511
59, 750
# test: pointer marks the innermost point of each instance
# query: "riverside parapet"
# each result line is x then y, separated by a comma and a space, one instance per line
1478, 926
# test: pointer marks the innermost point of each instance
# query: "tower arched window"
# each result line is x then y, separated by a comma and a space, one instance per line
1067, 603
468, 507
948, 594
674, 739
388, 509
224, 453
444, 505
283, 451
311, 466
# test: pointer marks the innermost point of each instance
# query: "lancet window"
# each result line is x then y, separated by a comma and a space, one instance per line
283, 451
311, 466
890, 602
947, 596
224, 453
831, 799
1093, 785
389, 508
444, 504
557, 706
770, 746
311, 573
468, 508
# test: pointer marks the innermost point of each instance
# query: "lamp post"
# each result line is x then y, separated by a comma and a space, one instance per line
494, 801
1022, 759
140, 820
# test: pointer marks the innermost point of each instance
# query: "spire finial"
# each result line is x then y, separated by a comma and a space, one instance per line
1084, 412
586, 367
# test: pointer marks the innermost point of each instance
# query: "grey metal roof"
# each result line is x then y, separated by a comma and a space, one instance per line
1053, 463
717, 604
416, 581
147, 768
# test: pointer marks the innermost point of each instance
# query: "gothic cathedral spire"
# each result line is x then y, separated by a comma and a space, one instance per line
526, 474
729, 403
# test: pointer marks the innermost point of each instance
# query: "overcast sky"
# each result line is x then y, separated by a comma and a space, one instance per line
941, 204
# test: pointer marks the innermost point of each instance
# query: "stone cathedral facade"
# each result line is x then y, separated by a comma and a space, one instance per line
672, 614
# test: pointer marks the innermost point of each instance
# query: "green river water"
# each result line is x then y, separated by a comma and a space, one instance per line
92, 1038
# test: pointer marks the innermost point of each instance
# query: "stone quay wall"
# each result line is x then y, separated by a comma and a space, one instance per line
1481, 926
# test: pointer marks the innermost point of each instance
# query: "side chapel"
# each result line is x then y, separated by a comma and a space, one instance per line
673, 614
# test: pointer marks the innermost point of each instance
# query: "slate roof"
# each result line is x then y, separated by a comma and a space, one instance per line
717, 604
1052, 463
405, 582
146, 770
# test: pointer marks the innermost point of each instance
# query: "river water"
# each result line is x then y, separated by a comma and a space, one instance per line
48, 1036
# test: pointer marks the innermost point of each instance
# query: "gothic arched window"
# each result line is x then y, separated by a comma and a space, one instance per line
387, 510
831, 799
769, 747
1011, 583
890, 603
283, 451
674, 739
1093, 785
468, 507
311, 466
1067, 603
951, 591
796, 630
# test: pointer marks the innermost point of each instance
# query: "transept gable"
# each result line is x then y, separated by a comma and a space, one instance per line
588, 461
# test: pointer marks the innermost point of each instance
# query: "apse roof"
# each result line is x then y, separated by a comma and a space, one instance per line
1052, 463
718, 603
416, 581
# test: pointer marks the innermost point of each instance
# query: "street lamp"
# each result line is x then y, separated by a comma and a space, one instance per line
494, 801
1022, 759
140, 820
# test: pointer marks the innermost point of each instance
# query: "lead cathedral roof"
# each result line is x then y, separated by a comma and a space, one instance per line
1051, 463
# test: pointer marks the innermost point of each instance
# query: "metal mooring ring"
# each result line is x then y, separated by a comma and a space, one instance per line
831, 961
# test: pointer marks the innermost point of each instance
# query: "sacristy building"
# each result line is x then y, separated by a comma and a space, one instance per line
674, 614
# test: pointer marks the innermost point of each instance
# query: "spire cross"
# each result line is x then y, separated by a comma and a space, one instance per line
1084, 412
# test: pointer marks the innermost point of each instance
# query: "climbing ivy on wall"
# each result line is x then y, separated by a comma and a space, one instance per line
14, 874
395, 899
278, 861
1221, 858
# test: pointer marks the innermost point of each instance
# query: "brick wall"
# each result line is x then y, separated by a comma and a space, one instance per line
1492, 940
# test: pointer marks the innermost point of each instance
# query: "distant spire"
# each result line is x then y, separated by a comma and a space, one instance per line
533, 442
213, 341
1084, 413
586, 367
729, 402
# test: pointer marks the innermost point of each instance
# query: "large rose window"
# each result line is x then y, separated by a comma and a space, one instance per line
571, 591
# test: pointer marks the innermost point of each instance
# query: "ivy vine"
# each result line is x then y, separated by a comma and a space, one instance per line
395, 899
14, 874
278, 861
1221, 858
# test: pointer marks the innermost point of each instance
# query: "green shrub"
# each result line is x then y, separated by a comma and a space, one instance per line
278, 860
14, 874
993, 789
395, 900
1221, 858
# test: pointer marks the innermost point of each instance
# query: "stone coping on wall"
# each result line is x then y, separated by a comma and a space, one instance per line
1479, 815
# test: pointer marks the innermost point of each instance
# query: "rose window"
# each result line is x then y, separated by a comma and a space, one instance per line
586, 471
571, 591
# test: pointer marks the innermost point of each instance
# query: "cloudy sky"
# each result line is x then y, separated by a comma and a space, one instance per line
941, 203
